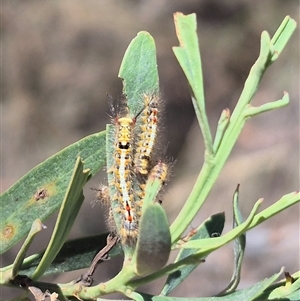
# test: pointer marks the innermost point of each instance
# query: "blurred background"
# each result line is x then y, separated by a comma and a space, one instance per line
61, 58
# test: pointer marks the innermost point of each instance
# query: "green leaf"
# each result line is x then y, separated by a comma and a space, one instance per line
285, 202
208, 245
40, 192
37, 226
188, 56
67, 214
239, 247
139, 70
139, 74
154, 242
212, 226
282, 36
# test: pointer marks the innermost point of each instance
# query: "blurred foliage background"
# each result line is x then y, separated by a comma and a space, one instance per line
61, 58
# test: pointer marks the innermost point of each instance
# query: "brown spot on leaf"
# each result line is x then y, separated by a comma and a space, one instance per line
8, 231
40, 194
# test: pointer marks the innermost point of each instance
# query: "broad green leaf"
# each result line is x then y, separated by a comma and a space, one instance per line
139, 74
211, 227
139, 70
40, 192
67, 214
154, 242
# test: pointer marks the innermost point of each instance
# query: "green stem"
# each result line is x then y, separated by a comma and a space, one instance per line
213, 164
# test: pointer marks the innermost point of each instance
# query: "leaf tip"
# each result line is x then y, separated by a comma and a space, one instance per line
260, 201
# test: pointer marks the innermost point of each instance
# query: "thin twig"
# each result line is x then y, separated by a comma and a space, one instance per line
101, 256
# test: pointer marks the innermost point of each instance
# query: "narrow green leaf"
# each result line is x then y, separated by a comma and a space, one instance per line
239, 244
211, 227
188, 56
188, 51
66, 217
154, 242
10, 272
37, 226
40, 192
239, 247
282, 36
285, 202
208, 245
139, 70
